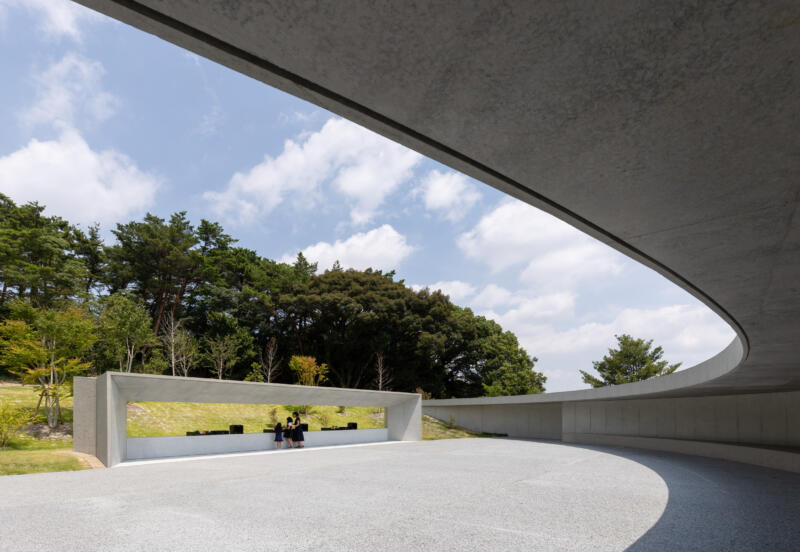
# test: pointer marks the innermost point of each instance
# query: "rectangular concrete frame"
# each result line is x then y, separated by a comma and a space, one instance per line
100, 424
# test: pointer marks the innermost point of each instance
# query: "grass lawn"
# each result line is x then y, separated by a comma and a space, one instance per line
25, 396
26, 454
155, 419
433, 429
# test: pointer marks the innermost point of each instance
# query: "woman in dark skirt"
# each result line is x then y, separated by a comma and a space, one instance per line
297, 434
287, 432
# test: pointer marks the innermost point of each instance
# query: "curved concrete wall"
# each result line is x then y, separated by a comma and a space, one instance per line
759, 428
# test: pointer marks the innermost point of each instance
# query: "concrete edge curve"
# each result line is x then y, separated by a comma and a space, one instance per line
718, 365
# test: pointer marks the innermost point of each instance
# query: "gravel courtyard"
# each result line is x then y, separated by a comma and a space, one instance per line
465, 494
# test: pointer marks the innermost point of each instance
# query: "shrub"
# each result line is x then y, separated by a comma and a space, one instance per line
11, 419
324, 419
425, 395
273, 416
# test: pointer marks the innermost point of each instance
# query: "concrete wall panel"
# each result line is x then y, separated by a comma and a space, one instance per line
685, 416
526, 421
582, 418
614, 420
667, 419
141, 448
648, 418
792, 419
774, 412
630, 418
568, 418
84, 415
597, 417
725, 419
749, 416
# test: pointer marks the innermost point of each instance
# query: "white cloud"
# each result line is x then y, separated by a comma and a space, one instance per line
449, 193
59, 18
360, 164
455, 289
531, 310
555, 253
76, 182
70, 90
493, 296
685, 331
570, 263
382, 248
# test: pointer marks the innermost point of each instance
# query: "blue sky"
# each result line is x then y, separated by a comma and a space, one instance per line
103, 123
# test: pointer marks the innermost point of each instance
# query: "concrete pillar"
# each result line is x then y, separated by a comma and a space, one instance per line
111, 421
84, 415
404, 420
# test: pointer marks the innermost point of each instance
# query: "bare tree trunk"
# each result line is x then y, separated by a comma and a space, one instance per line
170, 328
383, 377
130, 351
271, 366
161, 305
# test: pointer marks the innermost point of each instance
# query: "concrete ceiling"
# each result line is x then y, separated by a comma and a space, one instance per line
668, 130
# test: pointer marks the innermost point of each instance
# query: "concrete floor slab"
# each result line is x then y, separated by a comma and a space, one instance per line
486, 494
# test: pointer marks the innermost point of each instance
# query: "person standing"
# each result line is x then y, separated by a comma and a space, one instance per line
297, 436
278, 435
287, 432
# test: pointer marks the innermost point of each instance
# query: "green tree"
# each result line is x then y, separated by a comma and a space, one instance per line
125, 329
45, 347
506, 368
227, 344
11, 419
157, 260
90, 249
37, 256
514, 379
307, 370
187, 353
632, 360
223, 352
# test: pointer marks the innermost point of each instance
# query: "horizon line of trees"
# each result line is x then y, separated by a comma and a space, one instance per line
169, 297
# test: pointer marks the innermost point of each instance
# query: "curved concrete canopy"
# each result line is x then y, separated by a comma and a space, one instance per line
670, 132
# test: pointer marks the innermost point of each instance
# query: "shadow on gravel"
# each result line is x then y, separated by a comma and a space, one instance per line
718, 505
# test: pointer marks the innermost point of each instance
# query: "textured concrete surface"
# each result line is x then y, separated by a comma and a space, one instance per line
435, 495
667, 130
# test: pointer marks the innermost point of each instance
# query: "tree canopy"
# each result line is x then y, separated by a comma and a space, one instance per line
632, 360
171, 297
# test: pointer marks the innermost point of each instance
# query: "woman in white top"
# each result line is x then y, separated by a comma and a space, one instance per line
287, 431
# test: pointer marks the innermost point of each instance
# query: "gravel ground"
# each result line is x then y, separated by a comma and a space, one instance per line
464, 494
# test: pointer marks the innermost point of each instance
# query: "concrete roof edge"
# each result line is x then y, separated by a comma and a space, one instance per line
255, 383
718, 365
